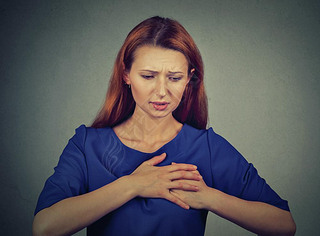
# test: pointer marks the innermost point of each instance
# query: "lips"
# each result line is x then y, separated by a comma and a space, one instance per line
160, 106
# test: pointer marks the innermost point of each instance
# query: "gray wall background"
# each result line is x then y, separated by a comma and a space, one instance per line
262, 67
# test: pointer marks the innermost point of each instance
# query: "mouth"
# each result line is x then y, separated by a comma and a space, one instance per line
160, 106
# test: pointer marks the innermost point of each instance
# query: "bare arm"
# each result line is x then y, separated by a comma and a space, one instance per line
257, 217
72, 214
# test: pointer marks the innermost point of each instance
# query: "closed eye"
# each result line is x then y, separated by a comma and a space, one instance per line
175, 79
147, 76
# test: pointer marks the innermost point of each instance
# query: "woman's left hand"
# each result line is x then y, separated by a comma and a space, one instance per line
196, 200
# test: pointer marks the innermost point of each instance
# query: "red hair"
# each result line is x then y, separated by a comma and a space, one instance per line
166, 33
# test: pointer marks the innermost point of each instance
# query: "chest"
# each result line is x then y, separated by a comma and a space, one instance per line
142, 146
152, 217
117, 161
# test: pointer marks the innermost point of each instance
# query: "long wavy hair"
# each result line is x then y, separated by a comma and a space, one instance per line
166, 33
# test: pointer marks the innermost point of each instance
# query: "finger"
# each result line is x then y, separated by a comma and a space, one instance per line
176, 200
183, 186
191, 175
156, 160
181, 166
196, 172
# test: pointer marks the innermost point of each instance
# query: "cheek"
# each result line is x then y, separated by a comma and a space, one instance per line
140, 94
177, 92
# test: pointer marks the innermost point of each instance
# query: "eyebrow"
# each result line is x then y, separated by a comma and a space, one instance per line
156, 72
151, 71
175, 72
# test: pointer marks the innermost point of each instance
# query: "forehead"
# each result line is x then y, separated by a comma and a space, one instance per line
156, 58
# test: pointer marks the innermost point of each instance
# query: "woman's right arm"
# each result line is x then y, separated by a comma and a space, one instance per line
73, 214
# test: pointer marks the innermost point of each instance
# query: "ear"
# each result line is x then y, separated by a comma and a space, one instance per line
191, 74
125, 74
126, 77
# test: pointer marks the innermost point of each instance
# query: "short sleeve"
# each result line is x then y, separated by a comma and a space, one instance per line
70, 175
232, 174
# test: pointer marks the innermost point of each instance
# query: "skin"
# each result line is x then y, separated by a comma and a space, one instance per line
73, 214
147, 130
257, 217
157, 74
148, 180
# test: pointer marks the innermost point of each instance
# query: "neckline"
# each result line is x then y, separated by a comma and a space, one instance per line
141, 152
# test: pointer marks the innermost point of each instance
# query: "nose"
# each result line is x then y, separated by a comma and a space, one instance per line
161, 89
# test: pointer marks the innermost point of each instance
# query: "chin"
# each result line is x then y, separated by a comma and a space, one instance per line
160, 114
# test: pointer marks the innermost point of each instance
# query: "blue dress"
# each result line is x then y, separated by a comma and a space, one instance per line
96, 157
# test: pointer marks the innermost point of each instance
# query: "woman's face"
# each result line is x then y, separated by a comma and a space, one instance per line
158, 77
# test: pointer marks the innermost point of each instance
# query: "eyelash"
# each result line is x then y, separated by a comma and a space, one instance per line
148, 77
175, 78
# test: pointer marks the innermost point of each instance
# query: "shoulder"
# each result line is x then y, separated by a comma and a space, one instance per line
217, 143
84, 133
208, 133
83, 129
193, 132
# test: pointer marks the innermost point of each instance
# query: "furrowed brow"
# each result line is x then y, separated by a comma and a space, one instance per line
174, 72
150, 71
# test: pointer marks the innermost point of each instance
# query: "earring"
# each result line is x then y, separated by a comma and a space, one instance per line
129, 86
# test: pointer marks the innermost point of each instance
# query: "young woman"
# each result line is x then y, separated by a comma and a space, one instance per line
148, 165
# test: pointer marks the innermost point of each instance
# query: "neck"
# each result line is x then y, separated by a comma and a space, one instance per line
150, 128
